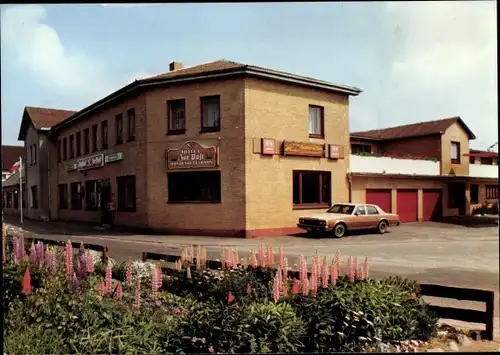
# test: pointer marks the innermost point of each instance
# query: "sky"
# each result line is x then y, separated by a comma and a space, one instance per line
414, 61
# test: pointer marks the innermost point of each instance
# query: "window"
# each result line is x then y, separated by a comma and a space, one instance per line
31, 155
456, 195
360, 210
72, 146
119, 128
199, 186
63, 196
316, 122
65, 149
34, 154
34, 197
371, 210
91, 196
486, 160
76, 195
104, 134
9, 199
16, 199
491, 192
86, 141
78, 138
361, 148
311, 188
94, 138
455, 152
176, 116
131, 124
472, 160
474, 193
126, 193
210, 114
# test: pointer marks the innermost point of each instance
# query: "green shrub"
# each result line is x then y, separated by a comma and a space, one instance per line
270, 328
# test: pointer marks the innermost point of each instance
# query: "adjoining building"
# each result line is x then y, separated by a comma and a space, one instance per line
10, 155
423, 171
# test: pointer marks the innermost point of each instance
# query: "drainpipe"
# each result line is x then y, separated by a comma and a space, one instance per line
349, 180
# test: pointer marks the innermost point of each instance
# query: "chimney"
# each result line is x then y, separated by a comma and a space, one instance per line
175, 66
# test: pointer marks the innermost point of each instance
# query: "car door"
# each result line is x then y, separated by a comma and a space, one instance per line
359, 220
372, 217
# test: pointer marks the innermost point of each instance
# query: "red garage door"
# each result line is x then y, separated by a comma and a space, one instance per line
408, 205
381, 198
432, 205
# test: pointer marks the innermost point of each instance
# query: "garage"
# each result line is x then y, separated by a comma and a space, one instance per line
380, 197
407, 205
432, 205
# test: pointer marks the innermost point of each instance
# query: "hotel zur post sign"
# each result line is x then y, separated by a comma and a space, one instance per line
192, 155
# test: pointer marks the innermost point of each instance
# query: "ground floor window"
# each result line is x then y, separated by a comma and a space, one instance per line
126, 193
76, 195
34, 197
16, 199
91, 195
63, 196
311, 188
474, 193
491, 191
196, 186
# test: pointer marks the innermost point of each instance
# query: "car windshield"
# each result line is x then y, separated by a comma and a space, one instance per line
342, 209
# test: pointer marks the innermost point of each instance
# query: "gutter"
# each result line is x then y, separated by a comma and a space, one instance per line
228, 73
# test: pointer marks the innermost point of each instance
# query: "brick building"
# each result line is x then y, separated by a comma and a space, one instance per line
10, 155
423, 171
220, 148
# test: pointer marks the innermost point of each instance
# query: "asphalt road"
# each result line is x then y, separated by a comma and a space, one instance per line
429, 253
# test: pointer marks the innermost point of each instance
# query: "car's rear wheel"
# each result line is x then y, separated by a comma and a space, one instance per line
339, 230
382, 227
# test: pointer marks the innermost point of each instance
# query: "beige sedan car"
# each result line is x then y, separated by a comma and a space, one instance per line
349, 216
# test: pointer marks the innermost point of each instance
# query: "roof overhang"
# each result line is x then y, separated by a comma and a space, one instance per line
149, 83
482, 155
449, 178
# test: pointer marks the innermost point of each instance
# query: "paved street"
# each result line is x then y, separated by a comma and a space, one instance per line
429, 253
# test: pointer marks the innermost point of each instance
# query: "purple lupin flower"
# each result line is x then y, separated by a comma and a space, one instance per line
15, 248
75, 284
22, 248
40, 253
50, 259
32, 256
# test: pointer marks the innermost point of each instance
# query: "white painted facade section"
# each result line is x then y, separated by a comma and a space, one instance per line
386, 165
483, 171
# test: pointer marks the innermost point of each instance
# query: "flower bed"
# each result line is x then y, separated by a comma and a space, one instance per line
59, 300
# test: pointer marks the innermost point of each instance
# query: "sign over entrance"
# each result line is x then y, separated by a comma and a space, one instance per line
303, 149
93, 161
192, 155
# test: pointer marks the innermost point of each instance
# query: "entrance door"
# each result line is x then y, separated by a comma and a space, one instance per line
456, 197
105, 199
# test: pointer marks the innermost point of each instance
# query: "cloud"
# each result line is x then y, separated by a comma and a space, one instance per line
445, 58
38, 48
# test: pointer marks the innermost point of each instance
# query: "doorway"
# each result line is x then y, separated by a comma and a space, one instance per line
456, 197
105, 199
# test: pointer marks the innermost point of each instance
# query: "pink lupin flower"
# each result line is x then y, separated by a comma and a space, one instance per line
261, 256
82, 262
281, 257
334, 274
237, 258
350, 269
68, 250
188, 273
296, 287
128, 273
90, 262
101, 288
137, 303
108, 279
230, 297
285, 268
154, 283
249, 289
253, 260
302, 268
222, 259
270, 256
361, 274
366, 268
337, 261
276, 288
355, 266
119, 292
305, 287
324, 278
211, 349
32, 256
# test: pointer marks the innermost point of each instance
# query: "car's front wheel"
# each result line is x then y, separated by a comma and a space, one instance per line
382, 227
339, 230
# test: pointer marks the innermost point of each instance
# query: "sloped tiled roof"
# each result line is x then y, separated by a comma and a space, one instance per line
11, 154
47, 117
413, 130
211, 67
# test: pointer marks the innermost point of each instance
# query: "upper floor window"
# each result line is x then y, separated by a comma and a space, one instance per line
486, 160
86, 141
361, 148
59, 154
34, 154
455, 152
210, 114
71, 146
94, 138
31, 155
65, 148
104, 134
176, 116
131, 125
119, 128
316, 122
78, 138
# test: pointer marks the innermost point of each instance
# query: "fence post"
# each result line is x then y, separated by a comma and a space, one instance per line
490, 314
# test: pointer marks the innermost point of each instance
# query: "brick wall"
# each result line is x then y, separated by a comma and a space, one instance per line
455, 133
429, 146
